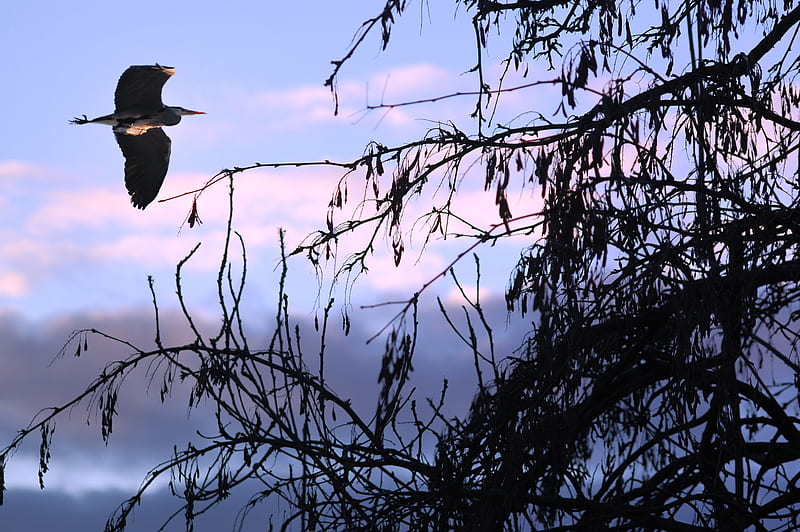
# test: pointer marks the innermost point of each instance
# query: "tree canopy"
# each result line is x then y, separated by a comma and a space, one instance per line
657, 388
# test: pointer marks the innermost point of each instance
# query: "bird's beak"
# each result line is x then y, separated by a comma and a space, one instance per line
190, 112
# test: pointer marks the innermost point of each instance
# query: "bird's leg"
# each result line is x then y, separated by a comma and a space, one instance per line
76, 120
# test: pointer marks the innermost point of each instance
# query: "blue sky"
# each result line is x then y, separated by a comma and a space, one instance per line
74, 253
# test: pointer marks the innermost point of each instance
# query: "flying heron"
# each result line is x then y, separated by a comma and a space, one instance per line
137, 120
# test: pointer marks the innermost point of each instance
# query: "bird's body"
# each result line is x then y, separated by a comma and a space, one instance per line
137, 120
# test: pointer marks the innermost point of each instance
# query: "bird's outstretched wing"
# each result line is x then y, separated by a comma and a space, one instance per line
139, 87
146, 163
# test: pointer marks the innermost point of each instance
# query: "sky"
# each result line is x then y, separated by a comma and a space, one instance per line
74, 253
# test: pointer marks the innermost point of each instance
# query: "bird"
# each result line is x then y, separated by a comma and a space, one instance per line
137, 121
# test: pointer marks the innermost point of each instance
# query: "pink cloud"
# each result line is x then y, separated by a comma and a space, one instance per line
300, 106
22, 169
13, 284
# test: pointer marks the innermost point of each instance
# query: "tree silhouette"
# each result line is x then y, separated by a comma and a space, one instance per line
657, 389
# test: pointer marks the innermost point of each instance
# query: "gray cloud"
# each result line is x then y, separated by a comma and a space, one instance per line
146, 430
36, 511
